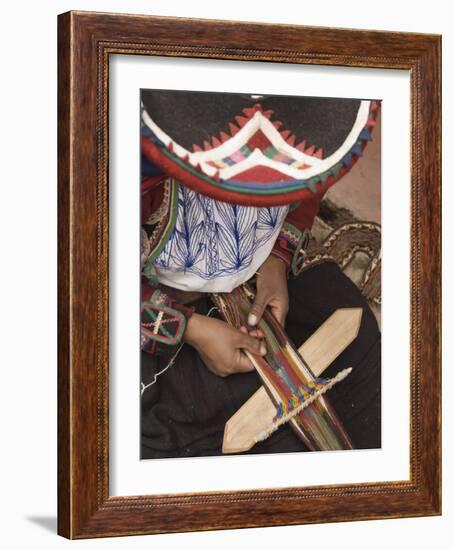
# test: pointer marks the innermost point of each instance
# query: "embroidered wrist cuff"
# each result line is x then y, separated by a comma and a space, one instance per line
290, 246
283, 254
163, 323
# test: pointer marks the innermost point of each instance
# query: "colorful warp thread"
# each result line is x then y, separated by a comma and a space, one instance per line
296, 392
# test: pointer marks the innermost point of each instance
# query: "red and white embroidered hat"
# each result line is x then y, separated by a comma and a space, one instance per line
253, 149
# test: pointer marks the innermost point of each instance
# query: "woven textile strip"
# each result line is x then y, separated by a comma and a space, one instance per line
164, 226
297, 393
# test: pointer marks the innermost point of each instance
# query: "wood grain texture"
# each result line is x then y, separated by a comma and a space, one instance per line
331, 339
85, 42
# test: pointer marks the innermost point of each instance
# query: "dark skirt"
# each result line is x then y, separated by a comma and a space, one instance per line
184, 413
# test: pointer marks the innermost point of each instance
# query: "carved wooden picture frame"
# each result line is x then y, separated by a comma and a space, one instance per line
85, 507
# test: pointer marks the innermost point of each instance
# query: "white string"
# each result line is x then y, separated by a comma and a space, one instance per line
273, 427
170, 363
144, 387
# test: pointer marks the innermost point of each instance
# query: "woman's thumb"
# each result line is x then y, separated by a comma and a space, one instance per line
256, 311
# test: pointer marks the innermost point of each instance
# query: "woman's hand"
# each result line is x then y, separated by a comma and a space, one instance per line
271, 290
221, 346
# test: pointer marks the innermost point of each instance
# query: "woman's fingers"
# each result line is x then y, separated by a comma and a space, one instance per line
252, 344
257, 309
256, 332
243, 363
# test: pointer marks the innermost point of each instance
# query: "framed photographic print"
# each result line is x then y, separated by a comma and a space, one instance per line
249, 275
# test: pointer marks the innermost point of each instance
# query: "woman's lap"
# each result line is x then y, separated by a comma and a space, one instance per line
185, 411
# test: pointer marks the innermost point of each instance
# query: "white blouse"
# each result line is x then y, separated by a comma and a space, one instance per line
216, 246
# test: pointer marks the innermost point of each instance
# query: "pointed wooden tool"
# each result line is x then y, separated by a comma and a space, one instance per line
319, 351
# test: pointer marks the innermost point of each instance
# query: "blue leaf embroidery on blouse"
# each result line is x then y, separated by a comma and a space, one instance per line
213, 238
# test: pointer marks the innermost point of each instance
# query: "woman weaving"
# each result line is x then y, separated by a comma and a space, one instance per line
231, 185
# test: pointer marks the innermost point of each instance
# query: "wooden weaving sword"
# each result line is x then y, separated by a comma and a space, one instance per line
319, 351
